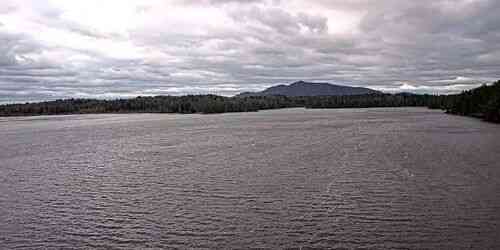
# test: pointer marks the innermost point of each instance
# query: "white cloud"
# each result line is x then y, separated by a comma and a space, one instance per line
60, 48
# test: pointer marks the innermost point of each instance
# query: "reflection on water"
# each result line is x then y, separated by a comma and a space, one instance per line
373, 178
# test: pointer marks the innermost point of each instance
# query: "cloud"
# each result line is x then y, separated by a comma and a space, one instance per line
63, 48
217, 2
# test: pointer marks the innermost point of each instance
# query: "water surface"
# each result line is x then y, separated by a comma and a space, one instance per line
294, 178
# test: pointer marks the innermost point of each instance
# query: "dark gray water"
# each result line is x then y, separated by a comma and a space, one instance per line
372, 178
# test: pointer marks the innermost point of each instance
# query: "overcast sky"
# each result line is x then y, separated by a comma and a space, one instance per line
122, 48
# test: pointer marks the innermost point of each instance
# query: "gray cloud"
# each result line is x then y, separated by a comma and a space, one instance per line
224, 47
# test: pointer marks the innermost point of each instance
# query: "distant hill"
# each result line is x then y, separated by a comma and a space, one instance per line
302, 88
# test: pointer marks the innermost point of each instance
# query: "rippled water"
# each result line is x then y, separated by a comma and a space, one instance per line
371, 178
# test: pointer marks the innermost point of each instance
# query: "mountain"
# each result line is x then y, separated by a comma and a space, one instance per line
302, 88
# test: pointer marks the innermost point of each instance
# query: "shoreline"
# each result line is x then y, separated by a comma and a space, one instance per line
208, 114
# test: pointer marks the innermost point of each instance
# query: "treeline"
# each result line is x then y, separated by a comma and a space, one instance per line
481, 102
210, 104
190, 104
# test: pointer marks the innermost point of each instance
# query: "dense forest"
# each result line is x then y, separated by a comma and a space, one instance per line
210, 104
481, 102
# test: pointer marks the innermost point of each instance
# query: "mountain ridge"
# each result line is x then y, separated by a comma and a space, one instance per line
303, 88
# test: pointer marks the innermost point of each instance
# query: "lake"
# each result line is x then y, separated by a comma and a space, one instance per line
294, 178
